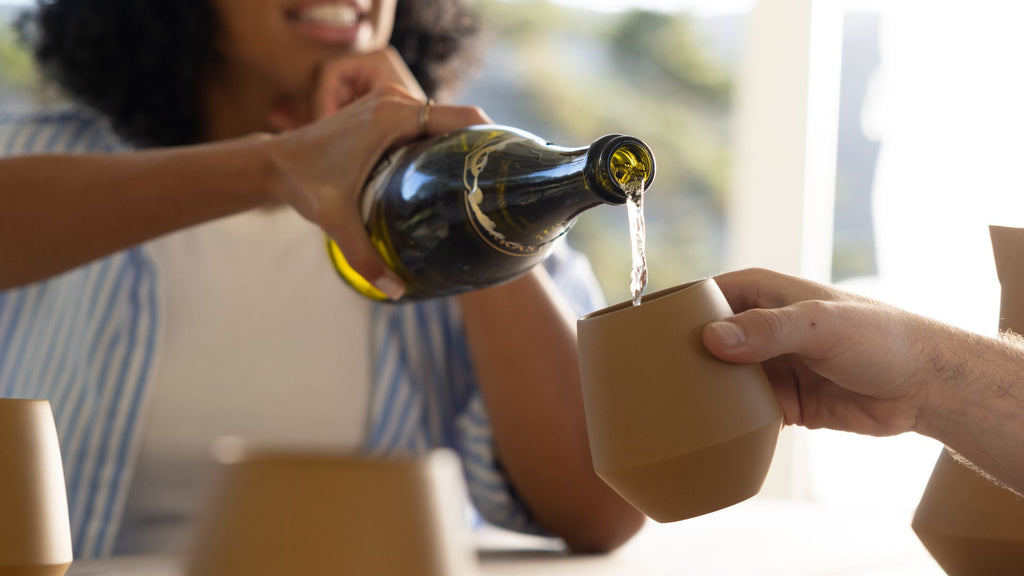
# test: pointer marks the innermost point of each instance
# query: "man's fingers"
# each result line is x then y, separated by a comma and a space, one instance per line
762, 288
761, 334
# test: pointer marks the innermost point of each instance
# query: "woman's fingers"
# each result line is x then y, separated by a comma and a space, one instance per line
348, 231
326, 165
444, 118
347, 79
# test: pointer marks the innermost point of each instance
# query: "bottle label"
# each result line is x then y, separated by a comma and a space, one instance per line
476, 161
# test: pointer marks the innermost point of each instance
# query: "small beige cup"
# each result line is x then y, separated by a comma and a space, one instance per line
971, 526
675, 431
968, 524
35, 535
277, 512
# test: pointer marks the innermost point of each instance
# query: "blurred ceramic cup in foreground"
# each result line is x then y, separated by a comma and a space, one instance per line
35, 535
969, 524
675, 431
281, 513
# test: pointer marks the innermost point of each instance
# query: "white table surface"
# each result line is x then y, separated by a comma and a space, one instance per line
760, 537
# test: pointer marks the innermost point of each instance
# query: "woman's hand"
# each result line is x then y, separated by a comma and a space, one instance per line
343, 80
321, 169
365, 104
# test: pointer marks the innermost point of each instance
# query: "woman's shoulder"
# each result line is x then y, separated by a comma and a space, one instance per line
64, 129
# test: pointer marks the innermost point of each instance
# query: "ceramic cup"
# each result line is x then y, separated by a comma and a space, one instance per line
968, 524
35, 535
675, 431
289, 512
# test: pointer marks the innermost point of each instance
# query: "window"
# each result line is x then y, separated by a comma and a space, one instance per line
938, 124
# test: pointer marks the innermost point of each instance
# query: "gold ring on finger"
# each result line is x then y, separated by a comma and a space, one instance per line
425, 115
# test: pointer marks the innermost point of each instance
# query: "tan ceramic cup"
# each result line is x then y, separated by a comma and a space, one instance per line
968, 524
675, 431
35, 535
284, 512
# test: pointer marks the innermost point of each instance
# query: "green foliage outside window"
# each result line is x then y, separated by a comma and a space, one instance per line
583, 74
17, 71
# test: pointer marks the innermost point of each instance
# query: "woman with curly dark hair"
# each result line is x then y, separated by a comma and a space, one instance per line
154, 91
159, 292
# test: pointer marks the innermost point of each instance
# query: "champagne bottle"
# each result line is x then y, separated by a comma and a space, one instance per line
482, 205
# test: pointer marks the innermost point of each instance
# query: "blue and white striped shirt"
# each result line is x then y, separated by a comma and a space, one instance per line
86, 340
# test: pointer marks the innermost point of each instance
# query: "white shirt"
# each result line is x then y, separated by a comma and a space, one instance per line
261, 340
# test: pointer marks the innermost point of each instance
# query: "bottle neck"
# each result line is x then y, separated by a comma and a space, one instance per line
619, 166
561, 191
577, 179
534, 194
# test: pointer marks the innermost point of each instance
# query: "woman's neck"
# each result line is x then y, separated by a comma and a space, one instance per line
235, 108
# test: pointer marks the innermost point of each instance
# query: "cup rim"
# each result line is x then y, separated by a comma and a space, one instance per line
646, 299
24, 400
232, 451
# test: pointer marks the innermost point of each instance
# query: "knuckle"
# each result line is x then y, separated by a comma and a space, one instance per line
476, 114
384, 106
820, 314
770, 322
816, 311
394, 92
815, 318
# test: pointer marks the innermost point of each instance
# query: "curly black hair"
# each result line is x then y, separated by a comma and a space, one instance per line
140, 62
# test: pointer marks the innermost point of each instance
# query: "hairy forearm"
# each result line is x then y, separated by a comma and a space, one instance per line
61, 211
524, 349
976, 404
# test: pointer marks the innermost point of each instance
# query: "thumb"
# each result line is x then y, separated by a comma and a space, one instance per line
760, 334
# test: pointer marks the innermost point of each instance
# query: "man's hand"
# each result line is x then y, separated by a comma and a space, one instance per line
836, 360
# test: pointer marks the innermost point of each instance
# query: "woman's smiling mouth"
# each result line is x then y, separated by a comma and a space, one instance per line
329, 15
329, 22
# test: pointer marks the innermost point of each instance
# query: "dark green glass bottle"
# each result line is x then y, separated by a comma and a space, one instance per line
481, 206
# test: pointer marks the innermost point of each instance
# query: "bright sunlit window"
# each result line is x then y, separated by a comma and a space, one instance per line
925, 121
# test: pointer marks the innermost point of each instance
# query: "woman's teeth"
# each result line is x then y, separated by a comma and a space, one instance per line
330, 15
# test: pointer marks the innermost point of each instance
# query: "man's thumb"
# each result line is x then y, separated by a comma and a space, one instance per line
753, 336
